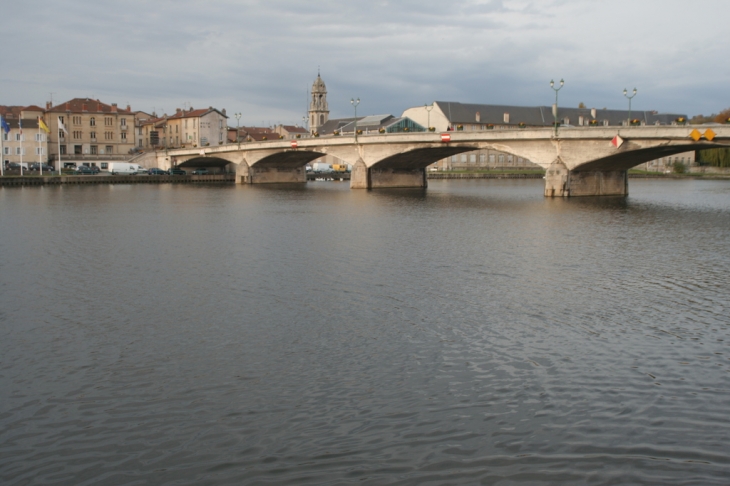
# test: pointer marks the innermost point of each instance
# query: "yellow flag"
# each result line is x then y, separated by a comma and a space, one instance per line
43, 126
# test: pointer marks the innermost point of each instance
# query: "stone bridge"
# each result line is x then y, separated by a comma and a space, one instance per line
581, 161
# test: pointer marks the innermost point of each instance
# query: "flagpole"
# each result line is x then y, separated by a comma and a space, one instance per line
59, 152
20, 129
2, 152
40, 159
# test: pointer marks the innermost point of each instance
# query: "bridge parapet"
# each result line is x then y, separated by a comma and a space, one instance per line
400, 159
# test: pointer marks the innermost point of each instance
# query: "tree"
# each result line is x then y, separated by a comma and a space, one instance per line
581, 105
723, 116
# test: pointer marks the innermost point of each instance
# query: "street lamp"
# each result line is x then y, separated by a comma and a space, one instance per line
305, 120
238, 132
629, 97
354, 104
428, 110
555, 108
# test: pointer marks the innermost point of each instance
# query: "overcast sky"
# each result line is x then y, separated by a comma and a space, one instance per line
260, 58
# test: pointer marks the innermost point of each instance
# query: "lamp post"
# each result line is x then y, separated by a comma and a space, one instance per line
626, 94
428, 110
305, 119
555, 108
238, 132
354, 103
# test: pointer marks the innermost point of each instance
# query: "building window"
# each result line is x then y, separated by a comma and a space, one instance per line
501, 158
491, 158
19, 151
18, 137
63, 149
61, 134
220, 124
123, 122
104, 165
60, 118
6, 150
109, 149
509, 159
5, 136
76, 120
93, 135
472, 158
124, 136
108, 121
92, 122
482, 159
77, 149
39, 150
39, 137
453, 158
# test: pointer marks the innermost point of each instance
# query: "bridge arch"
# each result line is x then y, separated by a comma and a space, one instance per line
625, 160
420, 158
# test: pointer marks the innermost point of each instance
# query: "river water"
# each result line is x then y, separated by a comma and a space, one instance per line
472, 333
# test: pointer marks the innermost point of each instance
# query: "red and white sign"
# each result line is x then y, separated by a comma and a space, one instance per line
294, 144
617, 141
445, 137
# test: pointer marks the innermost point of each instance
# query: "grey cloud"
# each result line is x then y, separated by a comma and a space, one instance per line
260, 58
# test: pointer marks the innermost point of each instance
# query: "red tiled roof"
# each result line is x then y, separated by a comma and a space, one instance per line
79, 105
10, 111
294, 129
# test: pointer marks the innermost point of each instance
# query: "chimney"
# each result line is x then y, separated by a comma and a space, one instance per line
506, 117
84, 107
129, 108
49, 105
593, 113
178, 111
114, 107
223, 111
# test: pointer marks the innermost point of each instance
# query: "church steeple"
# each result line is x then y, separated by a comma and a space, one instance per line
318, 110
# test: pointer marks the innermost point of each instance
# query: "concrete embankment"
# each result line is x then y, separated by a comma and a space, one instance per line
117, 179
483, 175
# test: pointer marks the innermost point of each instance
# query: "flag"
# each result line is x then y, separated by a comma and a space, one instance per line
61, 127
43, 126
4, 125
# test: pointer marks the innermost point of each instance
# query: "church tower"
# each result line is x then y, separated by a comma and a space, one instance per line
319, 113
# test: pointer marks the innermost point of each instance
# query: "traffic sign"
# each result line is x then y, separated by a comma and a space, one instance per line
445, 137
617, 141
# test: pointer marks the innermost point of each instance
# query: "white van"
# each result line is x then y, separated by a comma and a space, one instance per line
123, 168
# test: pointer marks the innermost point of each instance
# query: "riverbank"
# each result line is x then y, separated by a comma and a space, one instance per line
110, 179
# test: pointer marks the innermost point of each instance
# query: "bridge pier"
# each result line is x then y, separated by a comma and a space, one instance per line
363, 177
562, 182
270, 175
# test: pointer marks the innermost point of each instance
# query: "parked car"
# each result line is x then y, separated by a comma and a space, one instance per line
95, 169
142, 171
83, 170
12, 166
201, 172
38, 166
177, 171
156, 171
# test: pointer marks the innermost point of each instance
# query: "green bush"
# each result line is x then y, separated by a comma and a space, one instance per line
679, 168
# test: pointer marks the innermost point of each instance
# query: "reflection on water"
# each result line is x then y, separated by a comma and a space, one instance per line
473, 332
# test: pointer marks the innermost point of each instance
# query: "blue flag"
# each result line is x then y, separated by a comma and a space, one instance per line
4, 125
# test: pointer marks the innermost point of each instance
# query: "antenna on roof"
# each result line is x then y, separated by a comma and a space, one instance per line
52, 93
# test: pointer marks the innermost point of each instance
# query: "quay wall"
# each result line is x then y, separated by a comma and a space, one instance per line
117, 179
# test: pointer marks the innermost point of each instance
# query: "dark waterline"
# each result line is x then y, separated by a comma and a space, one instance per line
471, 333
